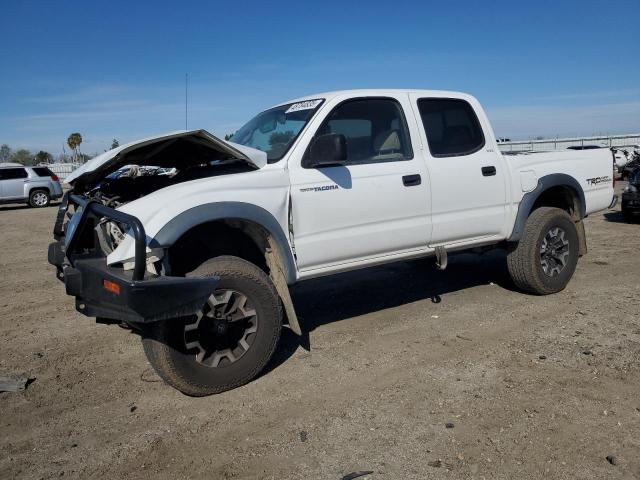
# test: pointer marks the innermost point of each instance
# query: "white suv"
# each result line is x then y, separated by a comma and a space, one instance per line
36, 186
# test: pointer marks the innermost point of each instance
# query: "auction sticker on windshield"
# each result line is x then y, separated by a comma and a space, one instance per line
306, 105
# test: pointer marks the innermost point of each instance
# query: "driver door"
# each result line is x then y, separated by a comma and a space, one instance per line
375, 203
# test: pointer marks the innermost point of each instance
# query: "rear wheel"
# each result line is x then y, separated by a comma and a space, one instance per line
544, 259
39, 198
229, 341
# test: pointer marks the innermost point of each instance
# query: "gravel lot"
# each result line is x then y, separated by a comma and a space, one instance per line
533, 387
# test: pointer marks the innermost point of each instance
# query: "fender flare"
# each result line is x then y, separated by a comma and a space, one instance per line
544, 184
209, 212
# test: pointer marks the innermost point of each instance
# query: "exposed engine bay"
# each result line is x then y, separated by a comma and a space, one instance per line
135, 181
134, 170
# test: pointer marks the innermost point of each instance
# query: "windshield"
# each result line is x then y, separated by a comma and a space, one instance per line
273, 131
634, 178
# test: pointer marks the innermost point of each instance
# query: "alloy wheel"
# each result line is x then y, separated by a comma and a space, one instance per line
554, 251
40, 199
223, 330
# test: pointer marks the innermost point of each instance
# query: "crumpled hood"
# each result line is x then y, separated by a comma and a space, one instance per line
168, 150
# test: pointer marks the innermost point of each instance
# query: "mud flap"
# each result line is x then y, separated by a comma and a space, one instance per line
582, 238
280, 282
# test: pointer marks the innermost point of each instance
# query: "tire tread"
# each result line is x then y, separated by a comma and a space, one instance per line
522, 258
159, 353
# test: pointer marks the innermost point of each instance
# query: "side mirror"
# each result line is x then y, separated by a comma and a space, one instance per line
326, 150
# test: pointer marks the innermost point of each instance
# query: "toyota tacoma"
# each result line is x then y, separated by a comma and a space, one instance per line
199, 258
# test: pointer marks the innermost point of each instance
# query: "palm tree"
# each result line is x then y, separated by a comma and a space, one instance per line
74, 141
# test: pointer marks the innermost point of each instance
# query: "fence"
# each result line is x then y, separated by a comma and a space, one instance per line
562, 143
62, 170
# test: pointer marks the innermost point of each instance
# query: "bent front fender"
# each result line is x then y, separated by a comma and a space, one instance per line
209, 212
282, 265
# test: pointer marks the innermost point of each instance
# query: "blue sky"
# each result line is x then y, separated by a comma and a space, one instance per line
116, 69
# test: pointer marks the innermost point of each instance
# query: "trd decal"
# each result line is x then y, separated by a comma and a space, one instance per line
319, 189
598, 180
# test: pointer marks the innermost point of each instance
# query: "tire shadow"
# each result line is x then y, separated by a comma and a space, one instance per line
616, 217
9, 207
343, 296
21, 206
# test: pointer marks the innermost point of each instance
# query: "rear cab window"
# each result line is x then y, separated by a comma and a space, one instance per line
451, 126
12, 173
43, 172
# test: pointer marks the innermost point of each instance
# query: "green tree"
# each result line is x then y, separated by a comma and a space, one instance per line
74, 140
227, 136
44, 157
115, 143
281, 137
23, 156
5, 153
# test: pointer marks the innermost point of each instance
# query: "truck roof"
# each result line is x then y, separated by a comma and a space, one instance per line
368, 92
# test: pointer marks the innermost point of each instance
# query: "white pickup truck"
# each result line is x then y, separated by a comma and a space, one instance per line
199, 260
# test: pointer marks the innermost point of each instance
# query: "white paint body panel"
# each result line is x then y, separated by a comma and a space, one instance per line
371, 218
465, 204
579, 164
371, 214
267, 188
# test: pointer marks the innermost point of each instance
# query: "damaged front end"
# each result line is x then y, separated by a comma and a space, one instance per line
139, 168
90, 226
111, 293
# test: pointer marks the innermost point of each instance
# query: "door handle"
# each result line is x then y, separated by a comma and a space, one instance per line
489, 171
411, 180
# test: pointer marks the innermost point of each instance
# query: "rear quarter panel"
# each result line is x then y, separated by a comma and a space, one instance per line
592, 169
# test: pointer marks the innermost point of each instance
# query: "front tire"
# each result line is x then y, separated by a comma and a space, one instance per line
39, 198
544, 259
229, 342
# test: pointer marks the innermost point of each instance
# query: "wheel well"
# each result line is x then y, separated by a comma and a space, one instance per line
239, 238
36, 189
563, 197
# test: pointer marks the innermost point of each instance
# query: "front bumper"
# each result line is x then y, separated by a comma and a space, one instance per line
113, 293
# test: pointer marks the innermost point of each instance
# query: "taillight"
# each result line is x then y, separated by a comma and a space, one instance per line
55, 178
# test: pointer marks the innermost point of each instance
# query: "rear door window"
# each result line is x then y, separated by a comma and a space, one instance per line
12, 173
451, 126
43, 171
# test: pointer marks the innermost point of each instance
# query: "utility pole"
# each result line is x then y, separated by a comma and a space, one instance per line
186, 98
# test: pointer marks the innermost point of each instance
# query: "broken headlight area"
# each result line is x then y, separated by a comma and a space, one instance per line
110, 235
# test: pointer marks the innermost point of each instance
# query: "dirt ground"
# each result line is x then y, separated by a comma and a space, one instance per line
534, 387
